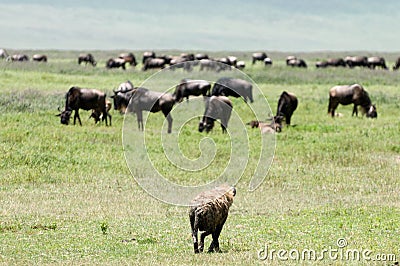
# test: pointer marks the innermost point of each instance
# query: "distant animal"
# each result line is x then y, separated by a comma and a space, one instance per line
289, 58
267, 61
188, 87
287, 104
297, 63
152, 63
39, 58
128, 58
87, 58
183, 62
18, 58
397, 64
232, 60
353, 61
86, 99
272, 127
233, 87
147, 55
331, 62
201, 56
217, 107
376, 61
98, 115
240, 65
260, 56
351, 94
208, 214
116, 63
3, 53
141, 99
208, 64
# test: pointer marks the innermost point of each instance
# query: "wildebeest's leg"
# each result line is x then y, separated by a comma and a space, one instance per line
139, 116
215, 242
76, 115
355, 111
202, 237
193, 225
333, 104
169, 118
287, 118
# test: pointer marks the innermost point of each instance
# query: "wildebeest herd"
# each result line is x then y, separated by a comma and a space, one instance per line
209, 210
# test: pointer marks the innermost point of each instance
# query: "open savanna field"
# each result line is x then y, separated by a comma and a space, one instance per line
68, 197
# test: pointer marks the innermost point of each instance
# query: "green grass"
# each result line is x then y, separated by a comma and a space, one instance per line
67, 196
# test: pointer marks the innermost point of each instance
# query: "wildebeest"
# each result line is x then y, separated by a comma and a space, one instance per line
268, 127
397, 64
297, 63
376, 61
147, 55
334, 62
86, 99
208, 64
232, 60
142, 99
287, 104
152, 63
351, 94
129, 58
233, 87
188, 87
240, 65
3, 53
353, 61
97, 115
217, 107
116, 63
267, 61
201, 56
18, 58
87, 58
39, 58
289, 58
258, 57
208, 214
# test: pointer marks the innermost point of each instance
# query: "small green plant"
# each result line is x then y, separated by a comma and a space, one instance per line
104, 227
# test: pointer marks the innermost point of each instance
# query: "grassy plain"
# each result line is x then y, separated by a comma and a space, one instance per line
67, 196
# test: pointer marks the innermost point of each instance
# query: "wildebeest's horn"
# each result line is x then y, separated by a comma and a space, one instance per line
59, 109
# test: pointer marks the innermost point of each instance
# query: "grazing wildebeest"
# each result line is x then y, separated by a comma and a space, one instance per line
233, 87
353, 61
183, 62
232, 60
152, 63
141, 99
334, 62
3, 53
208, 64
351, 94
376, 61
18, 58
289, 58
86, 99
97, 115
287, 104
267, 61
240, 65
217, 107
188, 87
297, 63
116, 63
208, 214
397, 64
272, 127
129, 58
201, 56
87, 58
147, 55
39, 58
258, 57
